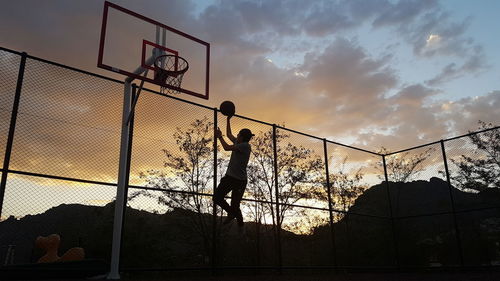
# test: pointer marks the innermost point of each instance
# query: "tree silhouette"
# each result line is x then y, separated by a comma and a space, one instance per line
482, 170
187, 178
299, 171
403, 167
345, 187
188, 175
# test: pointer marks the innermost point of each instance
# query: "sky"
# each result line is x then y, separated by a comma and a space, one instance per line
368, 73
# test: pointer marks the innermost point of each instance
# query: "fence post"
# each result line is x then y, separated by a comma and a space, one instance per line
394, 236
457, 231
12, 129
278, 225
330, 207
214, 206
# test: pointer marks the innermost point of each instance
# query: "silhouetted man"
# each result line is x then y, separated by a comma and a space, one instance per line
235, 180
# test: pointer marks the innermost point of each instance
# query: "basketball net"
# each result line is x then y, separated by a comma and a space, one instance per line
169, 71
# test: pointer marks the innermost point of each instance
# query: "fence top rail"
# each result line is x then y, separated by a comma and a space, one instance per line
444, 140
10, 51
353, 147
76, 69
472, 133
55, 177
412, 148
329, 141
60, 65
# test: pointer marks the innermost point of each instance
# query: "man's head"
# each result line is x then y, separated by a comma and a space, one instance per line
244, 135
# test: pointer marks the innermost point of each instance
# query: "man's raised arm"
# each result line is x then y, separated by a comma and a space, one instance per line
225, 145
229, 134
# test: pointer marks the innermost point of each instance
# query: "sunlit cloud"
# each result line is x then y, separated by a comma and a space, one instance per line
447, 106
299, 73
433, 40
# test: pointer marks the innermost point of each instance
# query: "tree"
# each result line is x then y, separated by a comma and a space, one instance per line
188, 175
404, 167
299, 171
481, 170
345, 187
187, 178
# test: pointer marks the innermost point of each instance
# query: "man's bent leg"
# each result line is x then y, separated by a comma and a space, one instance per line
220, 192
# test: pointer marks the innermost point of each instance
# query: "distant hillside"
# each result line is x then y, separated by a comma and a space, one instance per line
421, 197
175, 239
422, 238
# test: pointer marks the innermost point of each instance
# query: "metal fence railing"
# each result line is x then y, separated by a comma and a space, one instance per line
310, 202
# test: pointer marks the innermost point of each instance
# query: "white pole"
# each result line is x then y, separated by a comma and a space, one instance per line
163, 43
120, 191
157, 35
114, 272
164, 37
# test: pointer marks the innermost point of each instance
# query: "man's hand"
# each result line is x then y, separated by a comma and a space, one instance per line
225, 145
218, 133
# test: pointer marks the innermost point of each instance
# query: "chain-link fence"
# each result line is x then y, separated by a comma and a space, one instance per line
309, 202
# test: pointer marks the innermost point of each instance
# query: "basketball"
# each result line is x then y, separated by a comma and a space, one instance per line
227, 108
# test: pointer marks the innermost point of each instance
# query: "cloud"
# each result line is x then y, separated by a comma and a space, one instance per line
462, 115
473, 65
434, 34
412, 123
327, 18
265, 26
403, 12
332, 91
413, 95
314, 18
346, 59
433, 41
282, 16
343, 91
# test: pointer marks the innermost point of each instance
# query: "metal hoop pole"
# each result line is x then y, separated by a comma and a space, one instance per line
393, 227
278, 224
330, 207
214, 208
455, 223
135, 98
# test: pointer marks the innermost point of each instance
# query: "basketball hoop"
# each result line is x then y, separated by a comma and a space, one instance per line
169, 70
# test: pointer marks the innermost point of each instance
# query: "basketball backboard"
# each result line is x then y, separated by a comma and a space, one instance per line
130, 42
